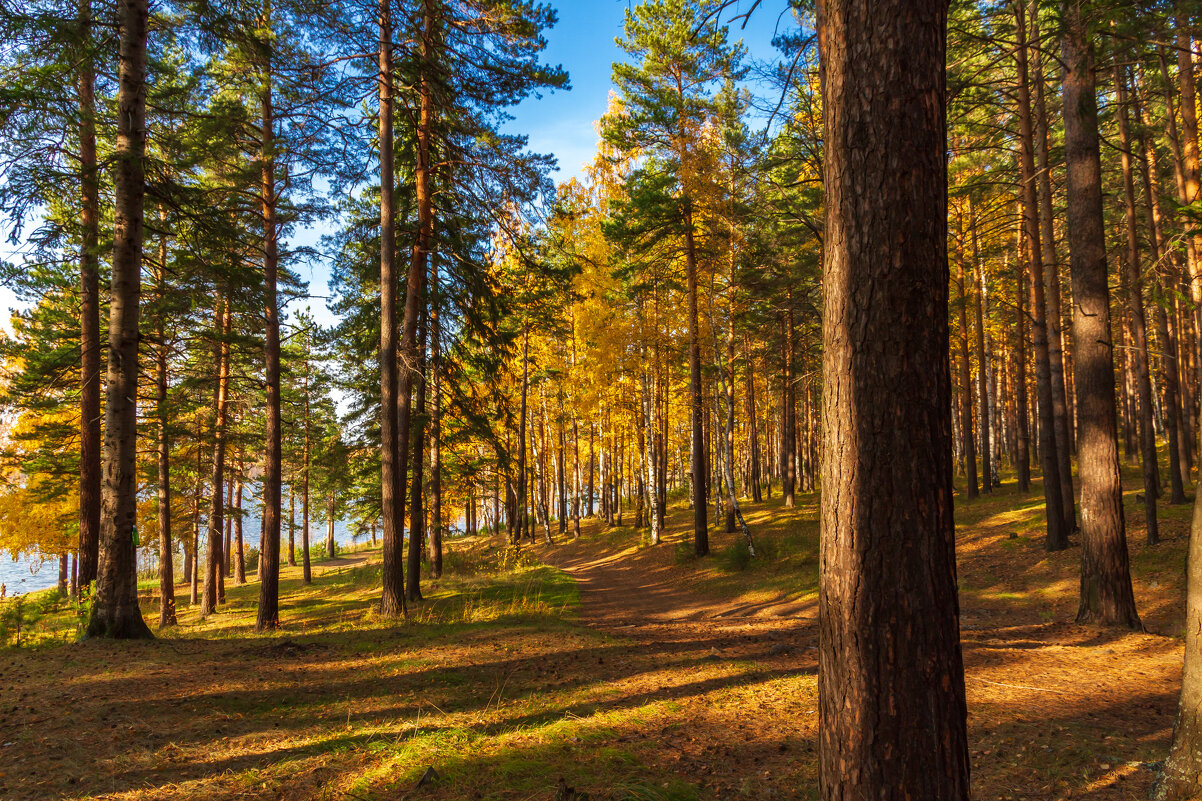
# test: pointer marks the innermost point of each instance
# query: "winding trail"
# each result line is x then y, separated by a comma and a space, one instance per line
642, 594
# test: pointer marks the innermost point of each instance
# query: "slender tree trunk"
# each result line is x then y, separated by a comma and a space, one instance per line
1062, 418
701, 541
163, 451
215, 556
89, 310
306, 456
1149, 173
1139, 324
415, 280
417, 514
1189, 164
891, 679
788, 464
392, 462
1106, 595
239, 545
1022, 441
970, 442
269, 549
1182, 776
193, 555
291, 519
592, 460
1057, 535
115, 611
436, 430
523, 413
983, 418
331, 547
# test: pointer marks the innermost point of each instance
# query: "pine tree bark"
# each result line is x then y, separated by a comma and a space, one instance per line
239, 544
417, 513
970, 442
1182, 775
891, 682
1057, 536
215, 557
89, 310
1106, 594
436, 429
1062, 419
306, 457
392, 463
1150, 176
166, 557
269, 548
1139, 323
115, 611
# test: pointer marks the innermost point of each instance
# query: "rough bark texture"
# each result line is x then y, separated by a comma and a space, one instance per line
417, 509
1106, 595
115, 611
89, 311
892, 709
269, 547
701, 537
215, 558
1150, 175
418, 261
966, 430
307, 567
1061, 417
984, 418
392, 466
163, 453
1057, 535
436, 431
1182, 777
1139, 320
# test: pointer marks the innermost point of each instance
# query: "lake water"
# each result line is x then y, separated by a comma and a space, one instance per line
31, 573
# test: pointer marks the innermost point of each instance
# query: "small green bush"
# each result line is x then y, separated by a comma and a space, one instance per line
737, 557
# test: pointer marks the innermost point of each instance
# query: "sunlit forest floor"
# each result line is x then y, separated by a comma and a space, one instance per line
632, 672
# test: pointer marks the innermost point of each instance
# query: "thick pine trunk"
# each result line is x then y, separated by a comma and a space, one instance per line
892, 710
1106, 595
115, 611
269, 547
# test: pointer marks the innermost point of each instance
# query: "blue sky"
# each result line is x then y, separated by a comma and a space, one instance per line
560, 123
563, 123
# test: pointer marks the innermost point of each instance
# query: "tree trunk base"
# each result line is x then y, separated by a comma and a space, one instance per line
124, 623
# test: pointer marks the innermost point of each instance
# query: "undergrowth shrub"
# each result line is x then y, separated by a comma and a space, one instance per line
736, 557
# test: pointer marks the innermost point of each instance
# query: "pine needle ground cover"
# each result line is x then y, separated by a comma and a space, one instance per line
629, 671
